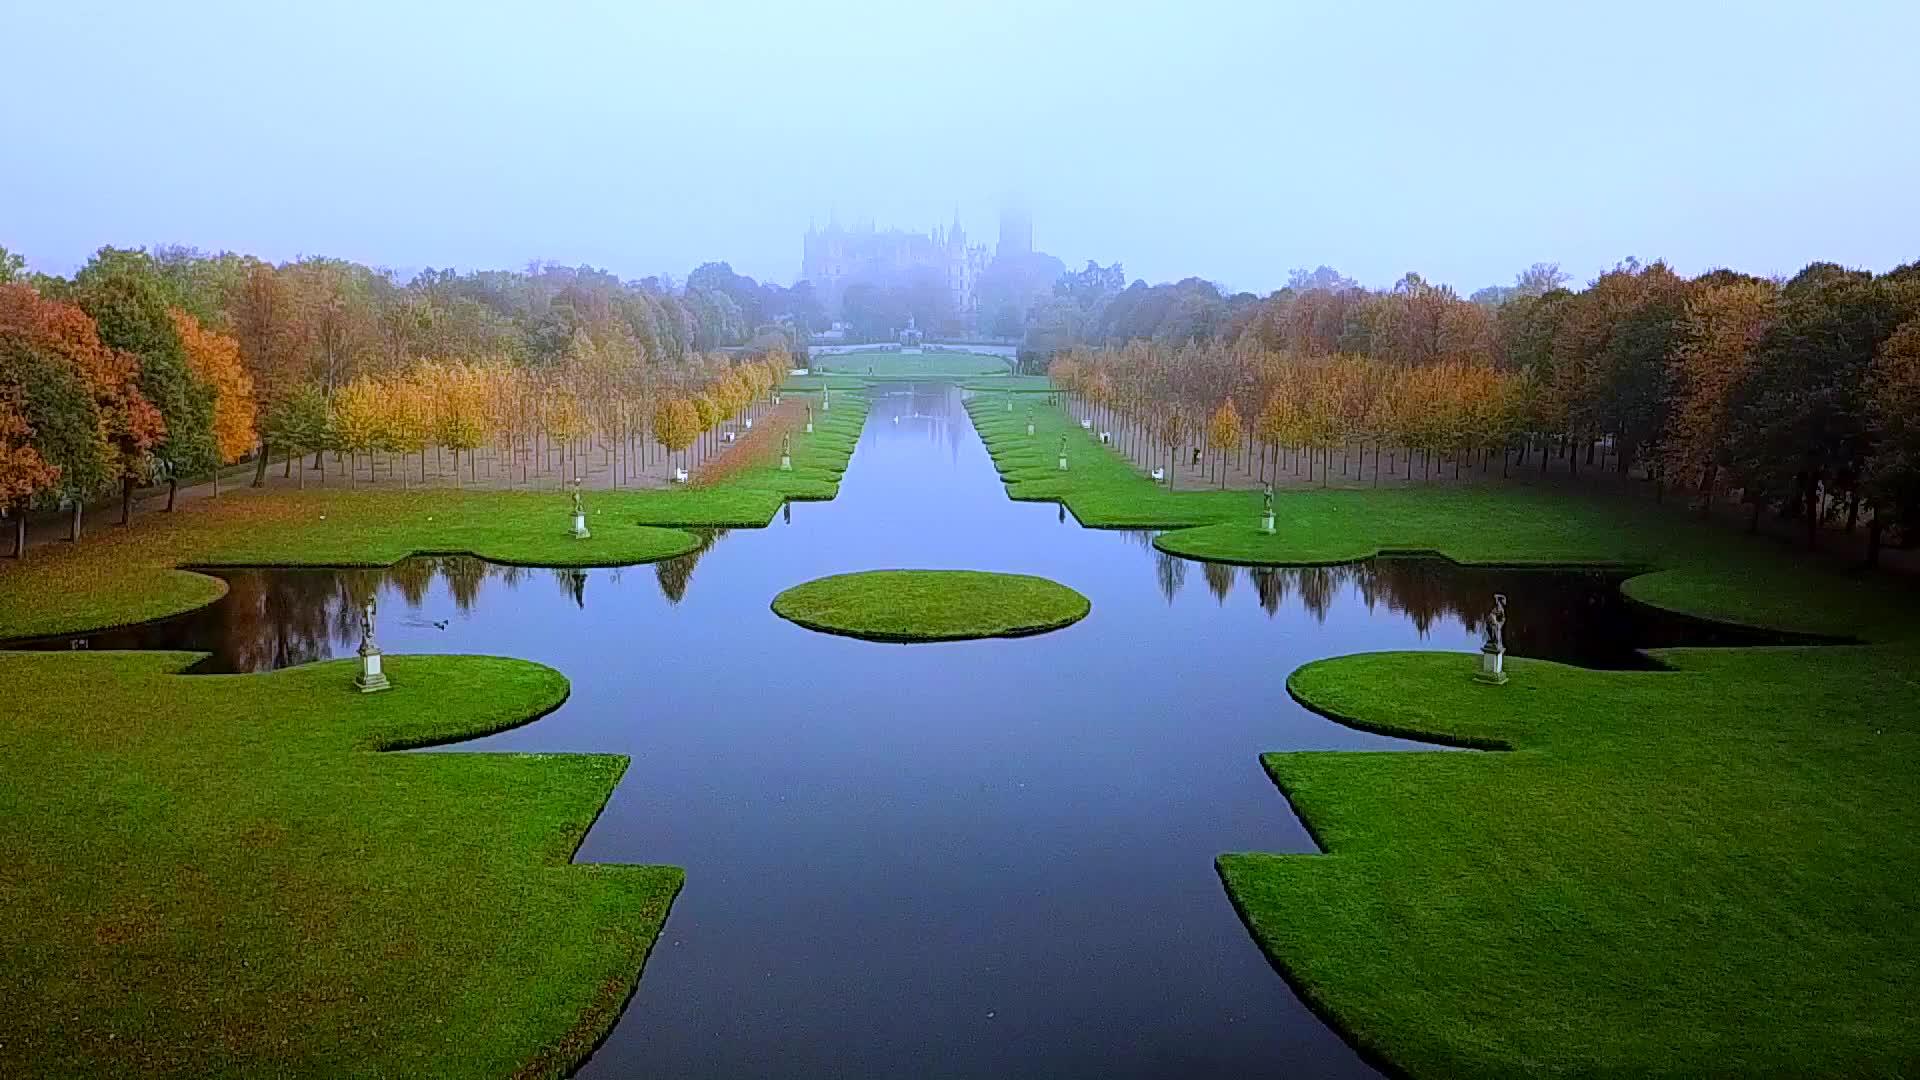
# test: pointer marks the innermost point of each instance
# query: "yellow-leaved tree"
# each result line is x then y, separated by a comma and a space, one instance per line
214, 359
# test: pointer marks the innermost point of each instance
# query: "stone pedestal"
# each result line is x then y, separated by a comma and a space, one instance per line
1063, 463
1029, 429
1492, 663
809, 427
371, 679
580, 525
786, 463
1266, 522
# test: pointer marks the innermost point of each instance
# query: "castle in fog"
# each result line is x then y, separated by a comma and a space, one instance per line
839, 256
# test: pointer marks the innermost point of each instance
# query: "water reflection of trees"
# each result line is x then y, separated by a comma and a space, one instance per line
278, 618
1562, 614
676, 573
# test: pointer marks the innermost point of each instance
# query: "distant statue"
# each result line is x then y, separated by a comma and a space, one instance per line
1495, 627
809, 415
367, 611
1266, 496
786, 445
1196, 457
1063, 446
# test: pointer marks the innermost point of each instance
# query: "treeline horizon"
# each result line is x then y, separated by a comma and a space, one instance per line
146, 366
1801, 396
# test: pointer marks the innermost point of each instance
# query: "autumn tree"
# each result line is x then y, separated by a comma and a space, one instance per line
128, 424
459, 402
1223, 430
359, 420
214, 360
124, 294
24, 472
676, 423
1723, 327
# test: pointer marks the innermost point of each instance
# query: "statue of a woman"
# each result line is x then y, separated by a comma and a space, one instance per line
366, 623
1063, 446
1494, 630
578, 506
1266, 496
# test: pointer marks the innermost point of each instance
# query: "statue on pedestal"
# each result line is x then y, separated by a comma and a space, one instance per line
371, 679
1493, 647
1494, 629
367, 612
579, 513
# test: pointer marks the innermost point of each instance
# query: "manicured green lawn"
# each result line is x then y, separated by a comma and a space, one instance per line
1019, 384
913, 364
931, 605
129, 576
1700, 872
1704, 872
1697, 568
216, 875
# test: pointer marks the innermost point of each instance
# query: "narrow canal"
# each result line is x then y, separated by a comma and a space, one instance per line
976, 859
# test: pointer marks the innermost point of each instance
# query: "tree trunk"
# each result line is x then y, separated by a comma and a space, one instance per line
126, 500
1812, 494
260, 467
20, 535
73, 532
1753, 515
1873, 540
1853, 510
173, 489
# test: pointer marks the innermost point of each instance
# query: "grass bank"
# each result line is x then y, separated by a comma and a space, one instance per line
220, 876
914, 365
1701, 872
1704, 871
136, 574
931, 605
1696, 568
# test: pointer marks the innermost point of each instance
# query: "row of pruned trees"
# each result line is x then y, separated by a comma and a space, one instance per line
538, 419
149, 365
1801, 396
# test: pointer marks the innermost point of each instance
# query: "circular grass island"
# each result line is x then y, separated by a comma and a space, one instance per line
931, 605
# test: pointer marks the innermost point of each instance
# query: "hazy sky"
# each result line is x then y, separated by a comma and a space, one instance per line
1227, 140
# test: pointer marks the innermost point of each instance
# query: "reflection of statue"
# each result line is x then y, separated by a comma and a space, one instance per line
1495, 627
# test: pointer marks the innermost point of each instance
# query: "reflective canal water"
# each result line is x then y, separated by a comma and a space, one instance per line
973, 859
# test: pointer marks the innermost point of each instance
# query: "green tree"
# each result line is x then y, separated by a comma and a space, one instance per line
299, 421
123, 291
1800, 418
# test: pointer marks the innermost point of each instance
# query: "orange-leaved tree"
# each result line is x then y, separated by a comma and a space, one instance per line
214, 359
